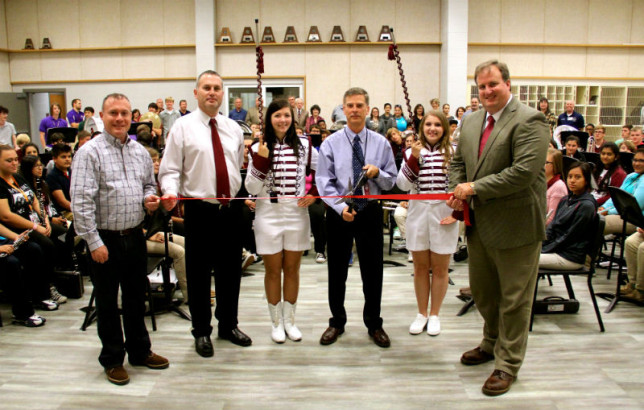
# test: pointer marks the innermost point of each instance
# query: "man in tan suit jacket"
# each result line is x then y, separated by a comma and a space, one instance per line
300, 113
498, 169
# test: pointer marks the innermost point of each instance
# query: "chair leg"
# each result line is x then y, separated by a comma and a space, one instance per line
549, 280
151, 303
571, 292
89, 311
612, 257
594, 299
534, 300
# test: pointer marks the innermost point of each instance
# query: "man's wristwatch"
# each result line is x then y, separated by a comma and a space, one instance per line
473, 189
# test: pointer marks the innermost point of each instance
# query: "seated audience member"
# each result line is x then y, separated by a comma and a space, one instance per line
31, 169
571, 230
324, 134
627, 146
634, 186
56, 139
58, 179
373, 120
316, 136
634, 255
317, 218
322, 125
153, 117
556, 187
595, 143
409, 140
22, 149
626, 134
299, 130
155, 241
400, 216
572, 148
82, 137
314, 118
590, 129
636, 136
22, 139
89, 113
610, 174
22, 278
20, 210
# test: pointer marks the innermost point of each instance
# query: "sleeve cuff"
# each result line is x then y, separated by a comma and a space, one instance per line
260, 163
94, 241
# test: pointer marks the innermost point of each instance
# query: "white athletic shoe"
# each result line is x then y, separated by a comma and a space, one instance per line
418, 324
410, 258
320, 258
433, 326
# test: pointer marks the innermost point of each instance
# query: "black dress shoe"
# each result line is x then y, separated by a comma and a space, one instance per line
380, 337
203, 346
330, 335
236, 336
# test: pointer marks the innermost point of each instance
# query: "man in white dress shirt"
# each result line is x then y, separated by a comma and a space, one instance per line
203, 156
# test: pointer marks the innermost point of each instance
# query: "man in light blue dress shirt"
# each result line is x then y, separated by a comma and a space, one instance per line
342, 156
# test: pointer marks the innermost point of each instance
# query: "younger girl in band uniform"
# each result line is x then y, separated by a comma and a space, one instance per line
432, 235
277, 168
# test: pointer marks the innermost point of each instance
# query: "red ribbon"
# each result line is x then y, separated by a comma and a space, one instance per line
397, 197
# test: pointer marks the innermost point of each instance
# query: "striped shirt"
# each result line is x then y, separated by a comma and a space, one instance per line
287, 173
109, 185
423, 177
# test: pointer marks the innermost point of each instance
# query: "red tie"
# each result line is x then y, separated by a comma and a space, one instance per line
221, 171
486, 134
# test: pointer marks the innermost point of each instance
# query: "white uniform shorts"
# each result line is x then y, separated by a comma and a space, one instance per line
424, 230
281, 226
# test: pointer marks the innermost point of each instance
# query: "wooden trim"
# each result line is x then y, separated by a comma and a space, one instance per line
529, 77
111, 80
124, 48
338, 43
132, 80
568, 45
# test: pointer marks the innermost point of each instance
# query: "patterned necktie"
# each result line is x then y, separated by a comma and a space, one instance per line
486, 134
358, 163
221, 171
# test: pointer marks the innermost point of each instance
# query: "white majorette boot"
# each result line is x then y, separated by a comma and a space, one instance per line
289, 322
277, 323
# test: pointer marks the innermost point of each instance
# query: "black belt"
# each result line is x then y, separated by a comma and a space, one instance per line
122, 232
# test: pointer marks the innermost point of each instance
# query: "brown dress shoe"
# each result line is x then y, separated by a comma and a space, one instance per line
330, 335
117, 375
498, 383
153, 361
476, 356
380, 337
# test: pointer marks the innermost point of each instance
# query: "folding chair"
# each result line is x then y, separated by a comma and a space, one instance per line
592, 250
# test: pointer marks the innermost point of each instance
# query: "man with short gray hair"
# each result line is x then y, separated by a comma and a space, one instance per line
571, 117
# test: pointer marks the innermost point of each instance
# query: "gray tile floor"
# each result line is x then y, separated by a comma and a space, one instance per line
569, 363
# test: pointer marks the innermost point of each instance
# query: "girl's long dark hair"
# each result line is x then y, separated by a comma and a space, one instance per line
602, 185
270, 137
27, 171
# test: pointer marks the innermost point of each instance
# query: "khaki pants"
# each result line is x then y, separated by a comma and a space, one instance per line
176, 250
502, 282
634, 255
615, 224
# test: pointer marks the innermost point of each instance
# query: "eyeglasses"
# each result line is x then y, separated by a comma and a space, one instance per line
638, 160
549, 162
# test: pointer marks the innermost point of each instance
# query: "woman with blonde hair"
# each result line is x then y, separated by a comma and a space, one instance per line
432, 235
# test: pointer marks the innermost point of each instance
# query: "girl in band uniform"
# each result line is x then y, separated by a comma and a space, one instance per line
432, 235
277, 169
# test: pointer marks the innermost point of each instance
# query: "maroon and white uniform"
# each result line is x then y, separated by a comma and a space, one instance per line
282, 225
427, 175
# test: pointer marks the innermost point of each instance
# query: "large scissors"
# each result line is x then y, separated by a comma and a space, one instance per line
351, 190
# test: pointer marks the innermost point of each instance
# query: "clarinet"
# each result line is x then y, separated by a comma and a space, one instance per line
41, 197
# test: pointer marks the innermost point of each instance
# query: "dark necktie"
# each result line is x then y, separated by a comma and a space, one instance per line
486, 134
358, 163
221, 171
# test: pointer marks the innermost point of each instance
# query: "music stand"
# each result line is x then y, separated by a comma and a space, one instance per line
69, 134
594, 158
626, 161
630, 212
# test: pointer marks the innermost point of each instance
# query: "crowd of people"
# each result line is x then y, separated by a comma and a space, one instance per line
274, 187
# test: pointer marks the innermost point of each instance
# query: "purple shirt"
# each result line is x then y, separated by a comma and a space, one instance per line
48, 122
75, 116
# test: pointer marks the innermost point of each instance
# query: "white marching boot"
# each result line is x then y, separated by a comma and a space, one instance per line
289, 322
277, 323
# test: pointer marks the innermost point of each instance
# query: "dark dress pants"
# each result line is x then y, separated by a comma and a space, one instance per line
318, 226
213, 241
126, 267
366, 229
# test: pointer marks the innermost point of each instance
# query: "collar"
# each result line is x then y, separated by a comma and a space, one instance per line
497, 115
112, 140
205, 118
362, 134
